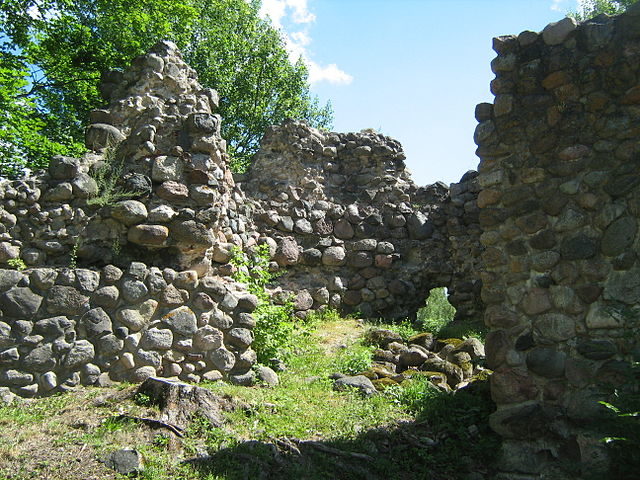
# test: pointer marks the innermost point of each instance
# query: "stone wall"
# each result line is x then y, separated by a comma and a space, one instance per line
153, 296
352, 229
560, 201
128, 248
62, 327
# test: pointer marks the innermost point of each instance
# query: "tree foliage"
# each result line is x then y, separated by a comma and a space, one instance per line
590, 8
55, 52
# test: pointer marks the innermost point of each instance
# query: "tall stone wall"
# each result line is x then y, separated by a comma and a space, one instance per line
354, 232
153, 296
559, 208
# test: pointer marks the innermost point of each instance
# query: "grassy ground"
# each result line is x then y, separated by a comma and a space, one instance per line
301, 429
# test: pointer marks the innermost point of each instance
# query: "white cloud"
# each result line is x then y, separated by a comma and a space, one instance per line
297, 12
555, 5
276, 10
331, 73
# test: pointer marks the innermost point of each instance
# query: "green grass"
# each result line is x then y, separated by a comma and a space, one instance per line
406, 432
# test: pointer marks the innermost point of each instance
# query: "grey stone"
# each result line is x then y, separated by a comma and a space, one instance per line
343, 229
287, 252
157, 339
111, 274
149, 235
546, 362
167, 169
87, 280
624, 286
413, 357
89, 374
109, 345
9, 356
190, 232
8, 252
303, 300
54, 327
63, 168
207, 338
102, 135
148, 358
303, 226
420, 228
240, 337
578, 247
334, 256
106, 297
84, 186
40, 359
228, 303
20, 302
140, 374
267, 376
182, 321
137, 318
553, 327
597, 349
9, 278
247, 303
65, 300
134, 290
125, 461
48, 381
222, 359
15, 378
82, 352
604, 316
619, 236
359, 382
129, 212
244, 379
557, 32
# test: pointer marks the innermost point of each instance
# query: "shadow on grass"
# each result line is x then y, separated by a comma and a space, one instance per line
451, 439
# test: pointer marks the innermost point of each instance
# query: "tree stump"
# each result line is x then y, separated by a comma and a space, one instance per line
180, 402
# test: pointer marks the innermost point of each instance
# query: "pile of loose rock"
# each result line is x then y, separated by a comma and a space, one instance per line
449, 364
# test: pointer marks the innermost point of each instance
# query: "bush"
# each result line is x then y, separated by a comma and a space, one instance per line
355, 360
437, 313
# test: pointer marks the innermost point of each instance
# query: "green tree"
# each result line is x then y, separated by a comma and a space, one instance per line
590, 8
65, 46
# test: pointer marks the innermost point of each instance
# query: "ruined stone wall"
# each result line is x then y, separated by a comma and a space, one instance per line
153, 296
354, 232
560, 201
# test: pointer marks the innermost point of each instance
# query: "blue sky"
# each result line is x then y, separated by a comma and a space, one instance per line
412, 69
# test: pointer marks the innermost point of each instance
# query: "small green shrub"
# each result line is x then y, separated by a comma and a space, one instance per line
354, 360
275, 331
142, 399
17, 264
415, 395
437, 312
107, 177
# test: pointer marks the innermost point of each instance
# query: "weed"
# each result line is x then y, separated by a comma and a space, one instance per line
415, 394
354, 360
73, 255
622, 428
107, 177
275, 333
17, 264
142, 399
